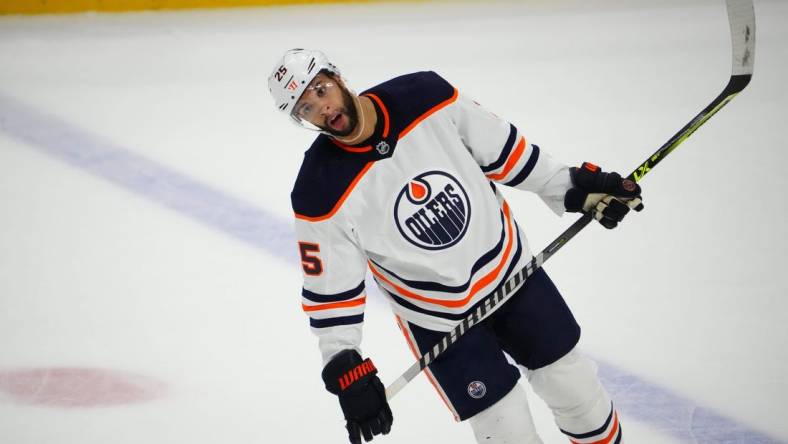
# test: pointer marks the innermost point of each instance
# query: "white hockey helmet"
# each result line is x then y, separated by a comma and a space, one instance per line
293, 73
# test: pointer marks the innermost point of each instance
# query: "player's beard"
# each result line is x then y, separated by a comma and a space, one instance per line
351, 111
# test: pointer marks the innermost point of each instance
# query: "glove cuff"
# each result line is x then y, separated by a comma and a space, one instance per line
590, 178
347, 371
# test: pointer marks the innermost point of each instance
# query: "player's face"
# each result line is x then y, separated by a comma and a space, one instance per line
328, 105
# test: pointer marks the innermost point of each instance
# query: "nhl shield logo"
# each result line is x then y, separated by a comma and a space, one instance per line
477, 389
432, 211
382, 147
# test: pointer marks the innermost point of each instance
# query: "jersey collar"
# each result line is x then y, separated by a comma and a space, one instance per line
381, 143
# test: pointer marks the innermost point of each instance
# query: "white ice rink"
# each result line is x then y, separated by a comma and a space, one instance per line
149, 291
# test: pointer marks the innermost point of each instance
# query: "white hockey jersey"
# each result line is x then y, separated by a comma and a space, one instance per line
416, 205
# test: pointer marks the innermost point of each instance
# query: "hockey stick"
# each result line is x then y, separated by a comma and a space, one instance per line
741, 17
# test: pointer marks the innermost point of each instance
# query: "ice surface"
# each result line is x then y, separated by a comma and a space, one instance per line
148, 287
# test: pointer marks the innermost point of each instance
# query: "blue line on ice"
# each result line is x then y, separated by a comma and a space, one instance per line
636, 398
153, 181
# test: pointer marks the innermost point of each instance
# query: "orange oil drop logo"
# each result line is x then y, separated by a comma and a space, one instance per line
417, 191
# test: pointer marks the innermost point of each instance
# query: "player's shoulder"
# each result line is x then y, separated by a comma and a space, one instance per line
410, 96
326, 175
423, 86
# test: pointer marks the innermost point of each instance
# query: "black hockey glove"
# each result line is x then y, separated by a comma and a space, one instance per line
361, 395
607, 196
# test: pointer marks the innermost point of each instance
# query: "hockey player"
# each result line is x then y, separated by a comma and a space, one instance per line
402, 180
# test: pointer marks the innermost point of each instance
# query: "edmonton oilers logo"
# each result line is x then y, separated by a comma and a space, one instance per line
477, 389
432, 211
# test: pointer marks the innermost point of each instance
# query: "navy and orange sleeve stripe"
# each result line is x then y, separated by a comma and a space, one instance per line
507, 150
527, 168
329, 310
329, 298
516, 162
501, 150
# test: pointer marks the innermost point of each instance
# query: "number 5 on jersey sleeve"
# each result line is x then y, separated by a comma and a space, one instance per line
312, 264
